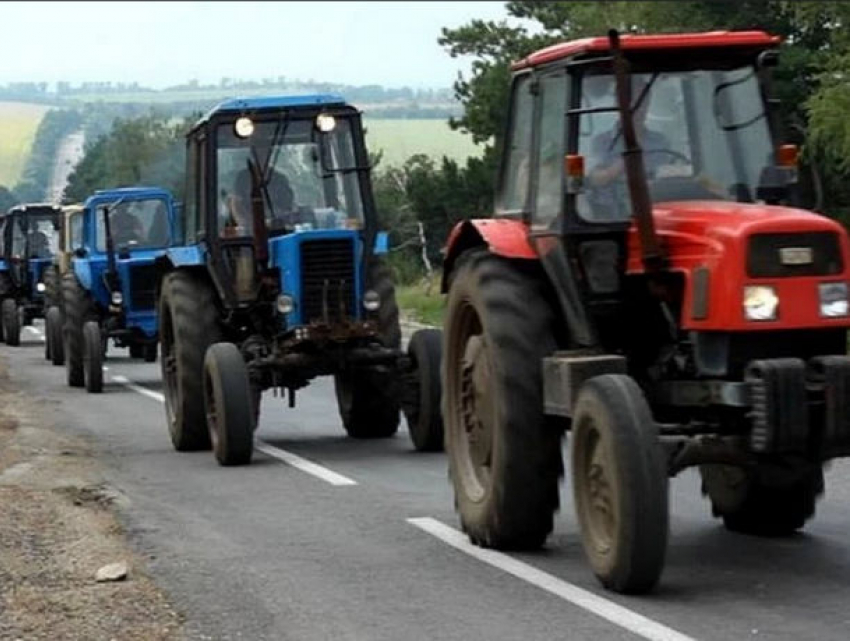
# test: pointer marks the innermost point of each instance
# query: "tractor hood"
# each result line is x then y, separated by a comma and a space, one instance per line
697, 231
721, 247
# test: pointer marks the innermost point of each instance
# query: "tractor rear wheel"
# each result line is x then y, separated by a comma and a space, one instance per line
149, 352
749, 506
368, 399
92, 357
11, 322
620, 484
504, 453
77, 310
188, 320
422, 391
52, 287
53, 331
229, 404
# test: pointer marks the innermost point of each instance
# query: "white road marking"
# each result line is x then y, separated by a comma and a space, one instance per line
144, 391
329, 476
36, 331
293, 460
601, 607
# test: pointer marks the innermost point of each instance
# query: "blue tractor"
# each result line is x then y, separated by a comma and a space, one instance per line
110, 289
29, 240
281, 280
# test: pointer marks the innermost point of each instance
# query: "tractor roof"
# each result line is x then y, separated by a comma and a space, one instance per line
129, 192
661, 42
33, 207
270, 103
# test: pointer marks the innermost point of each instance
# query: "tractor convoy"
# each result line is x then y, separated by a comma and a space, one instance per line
648, 285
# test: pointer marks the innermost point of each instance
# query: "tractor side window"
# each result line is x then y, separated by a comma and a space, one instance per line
516, 169
551, 123
19, 239
76, 225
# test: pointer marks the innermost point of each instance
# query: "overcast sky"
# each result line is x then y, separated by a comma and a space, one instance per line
165, 43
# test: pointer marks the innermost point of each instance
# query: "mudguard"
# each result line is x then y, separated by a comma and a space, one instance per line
503, 236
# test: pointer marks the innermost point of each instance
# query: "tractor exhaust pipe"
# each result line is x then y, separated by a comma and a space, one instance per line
651, 253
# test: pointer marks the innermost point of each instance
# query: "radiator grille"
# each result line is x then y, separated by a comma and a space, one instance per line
331, 262
143, 287
764, 261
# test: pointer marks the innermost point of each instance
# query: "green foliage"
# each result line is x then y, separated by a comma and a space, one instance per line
142, 151
422, 303
7, 199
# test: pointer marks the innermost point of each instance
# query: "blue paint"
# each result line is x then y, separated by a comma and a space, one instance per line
382, 243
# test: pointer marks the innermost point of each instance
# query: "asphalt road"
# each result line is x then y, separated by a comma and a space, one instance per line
283, 550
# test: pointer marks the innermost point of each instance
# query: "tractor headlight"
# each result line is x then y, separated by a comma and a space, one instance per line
325, 123
243, 127
371, 300
760, 303
833, 299
285, 303
40, 287
117, 298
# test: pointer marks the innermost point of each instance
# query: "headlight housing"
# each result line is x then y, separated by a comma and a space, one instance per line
285, 303
760, 303
371, 300
40, 287
833, 300
117, 298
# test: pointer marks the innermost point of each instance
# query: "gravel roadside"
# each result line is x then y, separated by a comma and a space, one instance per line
58, 527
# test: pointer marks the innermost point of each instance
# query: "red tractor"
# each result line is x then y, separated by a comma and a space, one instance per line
647, 285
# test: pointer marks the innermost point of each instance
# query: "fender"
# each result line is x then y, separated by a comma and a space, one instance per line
505, 237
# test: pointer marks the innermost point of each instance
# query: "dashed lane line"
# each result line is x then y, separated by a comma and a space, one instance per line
293, 460
601, 607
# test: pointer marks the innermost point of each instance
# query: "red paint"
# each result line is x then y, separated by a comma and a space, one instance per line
714, 234
504, 236
636, 43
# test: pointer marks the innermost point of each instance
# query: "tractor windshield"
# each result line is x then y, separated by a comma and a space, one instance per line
135, 224
33, 236
704, 135
311, 179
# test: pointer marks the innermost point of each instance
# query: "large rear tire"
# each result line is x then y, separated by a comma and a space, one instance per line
53, 331
368, 399
620, 484
423, 390
229, 404
11, 322
188, 320
93, 357
750, 506
504, 453
77, 310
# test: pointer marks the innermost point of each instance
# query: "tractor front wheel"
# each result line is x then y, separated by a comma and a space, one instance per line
92, 357
620, 484
750, 506
149, 352
11, 322
229, 404
53, 331
188, 319
422, 390
367, 402
504, 454
77, 309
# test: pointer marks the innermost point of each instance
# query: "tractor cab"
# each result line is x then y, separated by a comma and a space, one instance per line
115, 239
283, 205
30, 236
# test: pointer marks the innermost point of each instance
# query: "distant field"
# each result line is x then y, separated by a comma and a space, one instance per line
403, 138
18, 124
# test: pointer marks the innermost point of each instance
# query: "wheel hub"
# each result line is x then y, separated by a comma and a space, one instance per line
477, 404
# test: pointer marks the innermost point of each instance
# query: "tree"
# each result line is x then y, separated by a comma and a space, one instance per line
7, 199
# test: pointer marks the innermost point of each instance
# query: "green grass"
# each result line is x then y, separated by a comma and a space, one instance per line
18, 123
400, 139
418, 305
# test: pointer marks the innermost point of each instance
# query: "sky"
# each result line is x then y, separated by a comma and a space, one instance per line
165, 43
